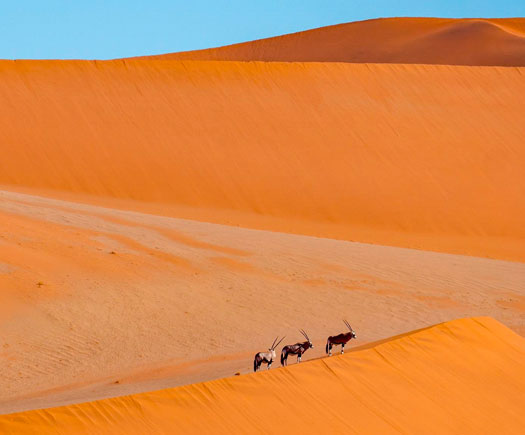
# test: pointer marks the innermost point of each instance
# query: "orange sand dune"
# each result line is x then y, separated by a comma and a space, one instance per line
391, 40
130, 302
429, 157
464, 376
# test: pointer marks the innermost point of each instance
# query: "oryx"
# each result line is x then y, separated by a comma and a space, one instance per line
266, 357
296, 349
341, 339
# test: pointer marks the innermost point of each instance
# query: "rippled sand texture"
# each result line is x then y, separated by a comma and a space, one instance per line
164, 218
98, 302
464, 376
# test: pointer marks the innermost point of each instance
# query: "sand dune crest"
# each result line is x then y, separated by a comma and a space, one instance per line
499, 42
472, 371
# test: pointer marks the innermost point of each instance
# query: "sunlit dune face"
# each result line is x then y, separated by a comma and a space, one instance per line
431, 373
397, 155
163, 218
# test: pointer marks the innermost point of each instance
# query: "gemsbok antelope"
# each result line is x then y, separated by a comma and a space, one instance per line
296, 349
266, 357
341, 339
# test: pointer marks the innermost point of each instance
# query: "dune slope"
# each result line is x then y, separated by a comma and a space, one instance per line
472, 371
131, 302
429, 157
391, 40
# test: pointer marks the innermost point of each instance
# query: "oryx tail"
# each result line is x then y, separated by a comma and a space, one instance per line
284, 354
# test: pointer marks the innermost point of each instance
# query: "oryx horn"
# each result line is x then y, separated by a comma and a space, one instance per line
348, 325
304, 333
274, 345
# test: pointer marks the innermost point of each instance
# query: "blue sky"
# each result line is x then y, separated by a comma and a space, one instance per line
104, 29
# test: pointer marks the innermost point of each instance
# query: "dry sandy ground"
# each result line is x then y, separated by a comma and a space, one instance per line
418, 156
113, 280
130, 302
442, 41
464, 376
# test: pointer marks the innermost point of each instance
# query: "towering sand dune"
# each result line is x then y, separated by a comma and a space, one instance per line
464, 376
430, 157
392, 40
98, 302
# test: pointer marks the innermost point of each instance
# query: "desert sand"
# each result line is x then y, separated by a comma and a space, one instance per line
131, 302
464, 376
497, 42
164, 218
427, 157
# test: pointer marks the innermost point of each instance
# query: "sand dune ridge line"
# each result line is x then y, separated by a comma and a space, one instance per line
387, 388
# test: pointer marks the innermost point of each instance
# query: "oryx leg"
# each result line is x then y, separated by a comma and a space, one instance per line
269, 364
299, 357
342, 348
330, 349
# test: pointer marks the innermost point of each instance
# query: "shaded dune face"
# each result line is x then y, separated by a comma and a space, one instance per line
429, 157
498, 42
472, 371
